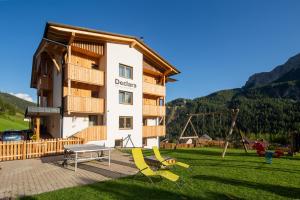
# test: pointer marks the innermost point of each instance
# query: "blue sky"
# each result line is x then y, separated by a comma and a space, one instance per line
216, 44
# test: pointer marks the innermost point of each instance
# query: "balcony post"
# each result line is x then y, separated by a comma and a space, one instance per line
164, 101
69, 92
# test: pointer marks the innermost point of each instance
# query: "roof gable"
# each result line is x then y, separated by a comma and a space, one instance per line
63, 33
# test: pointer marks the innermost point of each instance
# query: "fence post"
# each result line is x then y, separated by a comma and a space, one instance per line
24, 150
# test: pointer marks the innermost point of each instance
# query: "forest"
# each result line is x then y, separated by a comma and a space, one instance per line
264, 117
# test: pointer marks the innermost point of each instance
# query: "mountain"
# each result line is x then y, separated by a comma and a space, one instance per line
280, 73
269, 106
12, 111
19, 104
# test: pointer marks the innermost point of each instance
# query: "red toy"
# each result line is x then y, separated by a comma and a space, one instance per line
260, 148
278, 153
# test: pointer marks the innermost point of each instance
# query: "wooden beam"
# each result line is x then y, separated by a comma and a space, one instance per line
37, 128
167, 72
132, 44
69, 91
233, 123
72, 37
53, 58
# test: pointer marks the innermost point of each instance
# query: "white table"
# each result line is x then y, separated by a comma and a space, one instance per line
76, 149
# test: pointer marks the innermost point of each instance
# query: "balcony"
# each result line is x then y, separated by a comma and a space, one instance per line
44, 83
92, 133
84, 75
154, 89
153, 131
150, 110
83, 104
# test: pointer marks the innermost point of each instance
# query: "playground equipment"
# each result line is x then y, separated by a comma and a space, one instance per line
233, 125
195, 135
216, 120
261, 150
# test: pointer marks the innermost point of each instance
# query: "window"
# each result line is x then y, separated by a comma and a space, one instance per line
95, 94
125, 122
125, 97
95, 66
161, 102
125, 71
93, 120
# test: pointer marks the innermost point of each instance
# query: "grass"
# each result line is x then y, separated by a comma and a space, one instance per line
12, 122
238, 176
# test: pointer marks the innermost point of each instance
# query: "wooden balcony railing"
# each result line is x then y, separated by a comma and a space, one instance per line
154, 89
150, 110
154, 131
83, 104
44, 83
92, 133
84, 75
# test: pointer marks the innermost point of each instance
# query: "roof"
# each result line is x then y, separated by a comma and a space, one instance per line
205, 136
32, 111
137, 42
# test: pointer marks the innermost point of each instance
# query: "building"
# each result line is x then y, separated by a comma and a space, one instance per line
102, 87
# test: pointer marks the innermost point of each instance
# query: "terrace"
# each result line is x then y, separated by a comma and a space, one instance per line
238, 176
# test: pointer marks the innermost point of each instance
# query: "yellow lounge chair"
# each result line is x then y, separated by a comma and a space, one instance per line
147, 171
165, 162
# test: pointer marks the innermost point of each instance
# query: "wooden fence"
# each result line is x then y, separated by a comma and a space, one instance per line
200, 143
34, 148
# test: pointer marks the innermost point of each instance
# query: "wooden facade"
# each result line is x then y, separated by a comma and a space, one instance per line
92, 133
44, 83
153, 131
154, 89
150, 110
84, 75
79, 104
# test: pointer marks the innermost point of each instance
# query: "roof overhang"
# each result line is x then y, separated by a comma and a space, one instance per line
35, 111
62, 33
44, 45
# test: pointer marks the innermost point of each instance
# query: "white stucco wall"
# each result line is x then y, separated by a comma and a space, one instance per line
73, 124
152, 142
119, 53
152, 122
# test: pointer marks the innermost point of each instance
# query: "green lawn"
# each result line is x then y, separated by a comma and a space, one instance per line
12, 122
238, 176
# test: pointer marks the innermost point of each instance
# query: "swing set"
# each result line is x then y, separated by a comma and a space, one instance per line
195, 135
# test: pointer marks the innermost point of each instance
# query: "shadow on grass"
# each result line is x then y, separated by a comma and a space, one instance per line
209, 152
221, 196
122, 189
232, 164
283, 191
